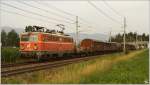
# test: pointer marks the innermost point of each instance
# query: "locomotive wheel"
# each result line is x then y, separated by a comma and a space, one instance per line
22, 55
39, 55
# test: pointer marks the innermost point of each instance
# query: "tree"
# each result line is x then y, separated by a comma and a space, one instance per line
130, 37
13, 38
134, 36
147, 37
3, 38
143, 37
119, 38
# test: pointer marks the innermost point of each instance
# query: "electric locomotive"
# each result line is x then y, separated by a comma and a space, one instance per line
38, 43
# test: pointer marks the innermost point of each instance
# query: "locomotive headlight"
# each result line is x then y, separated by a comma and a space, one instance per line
35, 47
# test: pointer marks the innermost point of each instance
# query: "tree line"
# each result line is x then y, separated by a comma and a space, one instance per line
130, 37
10, 39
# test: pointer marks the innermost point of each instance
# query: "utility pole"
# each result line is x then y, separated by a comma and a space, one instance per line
110, 36
77, 33
136, 40
124, 37
141, 38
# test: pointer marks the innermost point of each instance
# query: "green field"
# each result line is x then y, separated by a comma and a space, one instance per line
10, 55
107, 69
135, 71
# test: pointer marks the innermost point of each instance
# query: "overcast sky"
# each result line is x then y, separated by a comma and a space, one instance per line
93, 21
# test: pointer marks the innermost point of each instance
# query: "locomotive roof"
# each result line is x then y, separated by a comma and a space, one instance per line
56, 34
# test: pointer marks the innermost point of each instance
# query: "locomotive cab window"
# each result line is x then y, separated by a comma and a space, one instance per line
33, 38
24, 38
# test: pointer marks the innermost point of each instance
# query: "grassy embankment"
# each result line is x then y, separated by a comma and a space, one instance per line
111, 68
9, 55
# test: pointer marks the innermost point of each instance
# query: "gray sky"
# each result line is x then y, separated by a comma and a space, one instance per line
136, 12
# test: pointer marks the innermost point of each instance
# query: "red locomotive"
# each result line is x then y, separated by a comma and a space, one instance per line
46, 43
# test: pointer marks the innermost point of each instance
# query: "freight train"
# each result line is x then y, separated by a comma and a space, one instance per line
39, 43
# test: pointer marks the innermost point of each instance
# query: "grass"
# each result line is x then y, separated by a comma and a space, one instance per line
9, 54
111, 68
133, 71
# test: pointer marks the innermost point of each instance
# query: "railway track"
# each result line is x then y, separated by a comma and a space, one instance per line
41, 66
16, 64
32, 62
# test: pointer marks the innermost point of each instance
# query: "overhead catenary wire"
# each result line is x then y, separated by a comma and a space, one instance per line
29, 17
101, 11
47, 11
62, 11
70, 15
45, 4
27, 11
112, 9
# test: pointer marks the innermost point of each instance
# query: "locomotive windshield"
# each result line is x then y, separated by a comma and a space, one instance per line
32, 38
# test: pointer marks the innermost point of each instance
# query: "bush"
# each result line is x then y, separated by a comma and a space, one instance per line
9, 54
